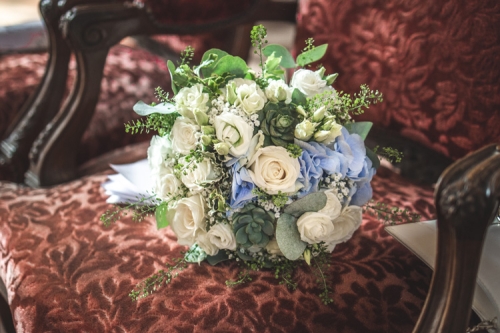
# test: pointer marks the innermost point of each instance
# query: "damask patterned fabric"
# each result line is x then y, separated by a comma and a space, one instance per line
436, 62
66, 272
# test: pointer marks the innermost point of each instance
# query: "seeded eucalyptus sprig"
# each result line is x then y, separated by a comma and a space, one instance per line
258, 37
390, 215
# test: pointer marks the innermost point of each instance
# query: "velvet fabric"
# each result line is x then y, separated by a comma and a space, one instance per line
436, 62
66, 272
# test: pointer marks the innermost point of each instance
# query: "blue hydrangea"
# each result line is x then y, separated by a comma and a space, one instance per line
242, 186
328, 159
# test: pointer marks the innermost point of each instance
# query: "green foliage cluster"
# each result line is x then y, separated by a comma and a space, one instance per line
161, 123
391, 154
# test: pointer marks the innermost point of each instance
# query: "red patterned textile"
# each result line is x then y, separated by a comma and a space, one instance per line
65, 272
436, 62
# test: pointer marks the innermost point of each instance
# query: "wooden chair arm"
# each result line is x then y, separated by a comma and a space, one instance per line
467, 201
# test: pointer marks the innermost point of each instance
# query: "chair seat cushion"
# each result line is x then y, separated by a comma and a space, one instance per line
65, 272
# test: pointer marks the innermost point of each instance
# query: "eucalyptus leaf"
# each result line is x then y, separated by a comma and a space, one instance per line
214, 54
161, 216
310, 203
171, 70
288, 237
219, 257
298, 98
361, 128
280, 51
373, 157
305, 58
230, 64
144, 109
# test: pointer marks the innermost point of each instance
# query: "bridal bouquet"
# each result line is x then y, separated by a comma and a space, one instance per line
256, 167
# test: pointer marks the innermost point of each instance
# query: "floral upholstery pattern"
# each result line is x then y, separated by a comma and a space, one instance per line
437, 63
66, 272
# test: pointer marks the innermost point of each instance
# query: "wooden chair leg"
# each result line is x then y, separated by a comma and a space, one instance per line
42, 105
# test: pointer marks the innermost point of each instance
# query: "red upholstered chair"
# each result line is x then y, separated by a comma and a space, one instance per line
64, 272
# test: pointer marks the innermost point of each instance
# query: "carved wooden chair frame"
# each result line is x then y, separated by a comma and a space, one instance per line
43, 138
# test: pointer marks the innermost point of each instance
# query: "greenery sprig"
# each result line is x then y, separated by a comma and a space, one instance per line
140, 210
319, 267
161, 123
391, 154
360, 100
156, 281
390, 215
258, 38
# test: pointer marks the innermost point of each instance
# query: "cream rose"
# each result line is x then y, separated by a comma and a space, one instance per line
184, 136
273, 170
166, 184
279, 91
186, 218
315, 227
203, 240
195, 176
159, 150
333, 207
235, 131
248, 95
222, 236
346, 224
189, 100
308, 82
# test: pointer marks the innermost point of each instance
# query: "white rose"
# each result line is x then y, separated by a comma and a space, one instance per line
159, 150
345, 225
304, 130
187, 218
166, 185
333, 207
235, 131
203, 240
273, 248
199, 174
315, 227
189, 100
308, 82
273, 170
183, 135
328, 132
222, 236
279, 91
248, 95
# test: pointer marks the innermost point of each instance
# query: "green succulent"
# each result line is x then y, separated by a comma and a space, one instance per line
278, 121
252, 225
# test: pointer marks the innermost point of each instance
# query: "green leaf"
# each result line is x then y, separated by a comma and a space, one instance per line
161, 216
298, 98
212, 54
361, 128
171, 69
280, 51
288, 237
143, 109
233, 65
305, 58
310, 203
373, 157
219, 257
